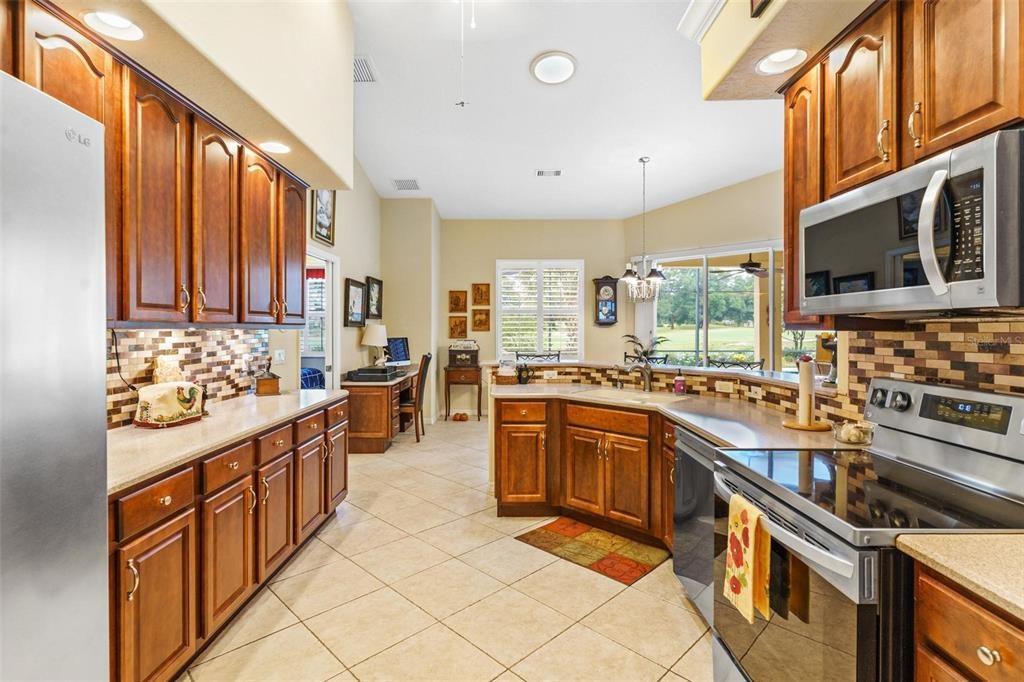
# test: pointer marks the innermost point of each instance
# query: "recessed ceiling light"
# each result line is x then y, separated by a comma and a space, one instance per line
275, 147
113, 25
554, 67
781, 61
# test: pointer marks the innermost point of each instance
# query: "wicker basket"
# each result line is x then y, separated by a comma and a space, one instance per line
502, 380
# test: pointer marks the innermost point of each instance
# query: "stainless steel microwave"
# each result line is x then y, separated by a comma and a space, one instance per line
942, 235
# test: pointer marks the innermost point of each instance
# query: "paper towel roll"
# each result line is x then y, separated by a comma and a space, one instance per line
805, 402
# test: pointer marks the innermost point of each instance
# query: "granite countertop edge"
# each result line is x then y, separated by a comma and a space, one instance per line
124, 442
987, 565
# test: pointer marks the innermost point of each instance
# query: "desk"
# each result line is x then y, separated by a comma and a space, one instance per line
468, 376
374, 419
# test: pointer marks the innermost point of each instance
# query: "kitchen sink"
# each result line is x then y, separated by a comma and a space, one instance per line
631, 397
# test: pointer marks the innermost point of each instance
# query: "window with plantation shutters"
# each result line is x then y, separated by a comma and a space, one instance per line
540, 307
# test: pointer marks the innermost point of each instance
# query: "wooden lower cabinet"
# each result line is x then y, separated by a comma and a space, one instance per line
523, 463
668, 495
229, 551
337, 465
584, 470
310, 486
627, 480
275, 529
930, 668
157, 600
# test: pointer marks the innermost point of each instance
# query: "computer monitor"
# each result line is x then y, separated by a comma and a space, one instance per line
398, 351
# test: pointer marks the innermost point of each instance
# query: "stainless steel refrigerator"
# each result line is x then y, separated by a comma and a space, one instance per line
53, 473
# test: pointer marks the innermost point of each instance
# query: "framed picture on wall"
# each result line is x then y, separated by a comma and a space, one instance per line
817, 284
851, 284
355, 303
456, 326
481, 320
323, 216
757, 7
374, 298
457, 301
482, 294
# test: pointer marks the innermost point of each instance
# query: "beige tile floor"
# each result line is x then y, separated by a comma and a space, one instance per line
416, 578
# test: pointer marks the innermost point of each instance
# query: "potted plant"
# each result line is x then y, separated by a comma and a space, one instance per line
644, 352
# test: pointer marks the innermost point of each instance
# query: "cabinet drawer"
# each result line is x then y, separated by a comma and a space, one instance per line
337, 413
524, 412
275, 443
307, 427
228, 466
957, 626
629, 423
464, 376
155, 503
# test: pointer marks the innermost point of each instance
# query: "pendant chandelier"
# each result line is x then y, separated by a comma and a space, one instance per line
643, 289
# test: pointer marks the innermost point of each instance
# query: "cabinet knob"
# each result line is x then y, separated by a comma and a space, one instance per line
522, 412
988, 656
166, 500
278, 443
233, 466
314, 427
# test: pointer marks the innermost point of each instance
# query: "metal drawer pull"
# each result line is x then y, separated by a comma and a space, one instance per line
233, 466
878, 140
325, 452
136, 581
910, 125
252, 507
278, 443
266, 488
188, 299
274, 307
989, 656
165, 501
672, 475
330, 445
201, 305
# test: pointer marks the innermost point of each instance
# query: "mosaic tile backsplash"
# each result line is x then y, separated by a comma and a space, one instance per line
210, 357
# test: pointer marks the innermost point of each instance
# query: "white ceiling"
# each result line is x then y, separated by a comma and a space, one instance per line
636, 92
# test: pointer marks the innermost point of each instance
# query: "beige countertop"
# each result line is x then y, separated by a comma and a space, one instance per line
410, 371
989, 565
134, 454
727, 423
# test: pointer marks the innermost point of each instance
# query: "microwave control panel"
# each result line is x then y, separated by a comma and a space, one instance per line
967, 254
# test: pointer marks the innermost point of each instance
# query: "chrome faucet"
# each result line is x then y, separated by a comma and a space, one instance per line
646, 372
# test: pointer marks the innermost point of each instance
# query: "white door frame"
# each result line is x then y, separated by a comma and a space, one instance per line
332, 377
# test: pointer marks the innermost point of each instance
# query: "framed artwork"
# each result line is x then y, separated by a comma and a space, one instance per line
910, 211
355, 303
606, 301
757, 7
374, 298
817, 284
456, 326
481, 320
323, 216
457, 302
482, 294
852, 284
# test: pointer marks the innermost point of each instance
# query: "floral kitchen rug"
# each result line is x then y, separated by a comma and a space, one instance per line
606, 553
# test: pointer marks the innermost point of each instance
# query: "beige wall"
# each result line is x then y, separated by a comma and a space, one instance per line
749, 211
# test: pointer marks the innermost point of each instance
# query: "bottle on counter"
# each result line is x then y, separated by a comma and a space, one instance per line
679, 385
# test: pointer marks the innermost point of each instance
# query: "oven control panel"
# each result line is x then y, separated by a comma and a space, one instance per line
973, 414
965, 199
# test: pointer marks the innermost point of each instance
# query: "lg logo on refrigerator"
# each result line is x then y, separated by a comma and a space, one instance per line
74, 136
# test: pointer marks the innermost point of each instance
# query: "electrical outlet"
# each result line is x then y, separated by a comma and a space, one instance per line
723, 386
551, 374
279, 355
755, 392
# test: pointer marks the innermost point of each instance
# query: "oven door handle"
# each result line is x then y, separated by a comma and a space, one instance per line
926, 233
814, 555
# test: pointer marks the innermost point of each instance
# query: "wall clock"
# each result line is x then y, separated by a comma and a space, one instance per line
606, 301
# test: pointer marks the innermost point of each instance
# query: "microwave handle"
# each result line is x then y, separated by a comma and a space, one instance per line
926, 233
813, 555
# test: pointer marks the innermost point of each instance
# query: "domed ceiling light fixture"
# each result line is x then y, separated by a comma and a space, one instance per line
643, 289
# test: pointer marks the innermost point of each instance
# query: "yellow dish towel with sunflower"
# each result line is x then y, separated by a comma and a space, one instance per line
748, 559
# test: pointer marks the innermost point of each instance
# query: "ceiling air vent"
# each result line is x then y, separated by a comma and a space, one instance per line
550, 173
363, 70
406, 185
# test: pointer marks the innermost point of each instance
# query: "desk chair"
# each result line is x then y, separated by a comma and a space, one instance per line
414, 407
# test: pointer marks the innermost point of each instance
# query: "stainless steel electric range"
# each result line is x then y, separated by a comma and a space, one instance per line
943, 460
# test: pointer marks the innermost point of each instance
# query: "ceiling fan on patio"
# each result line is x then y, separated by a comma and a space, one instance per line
753, 267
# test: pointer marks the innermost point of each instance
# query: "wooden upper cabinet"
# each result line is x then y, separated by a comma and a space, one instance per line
967, 61
69, 67
860, 103
156, 602
627, 480
802, 182
292, 254
259, 218
216, 165
584, 469
7, 56
157, 227
523, 463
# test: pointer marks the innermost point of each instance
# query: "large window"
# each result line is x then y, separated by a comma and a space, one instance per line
540, 307
313, 338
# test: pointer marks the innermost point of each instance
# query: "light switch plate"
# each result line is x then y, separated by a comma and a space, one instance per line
551, 374
755, 392
279, 355
723, 386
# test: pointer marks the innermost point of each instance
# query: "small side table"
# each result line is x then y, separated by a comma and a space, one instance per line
468, 376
